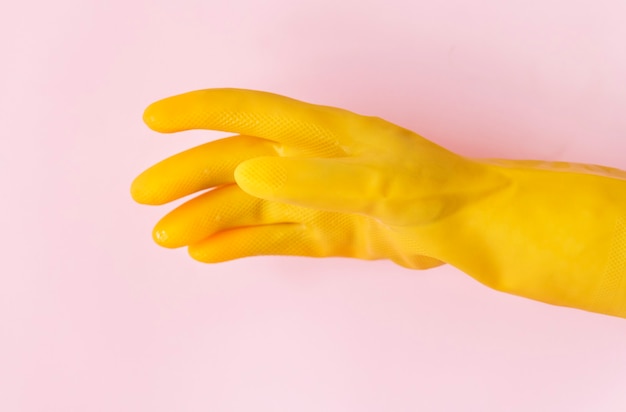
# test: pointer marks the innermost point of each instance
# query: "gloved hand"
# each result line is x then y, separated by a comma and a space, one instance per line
319, 181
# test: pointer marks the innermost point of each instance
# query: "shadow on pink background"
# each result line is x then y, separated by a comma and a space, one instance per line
95, 317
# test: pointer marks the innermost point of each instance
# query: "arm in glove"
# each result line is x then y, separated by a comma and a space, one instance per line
302, 179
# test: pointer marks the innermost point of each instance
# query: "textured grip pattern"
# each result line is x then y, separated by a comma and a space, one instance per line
611, 294
310, 138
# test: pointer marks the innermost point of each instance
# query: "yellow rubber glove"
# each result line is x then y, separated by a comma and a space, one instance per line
320, 181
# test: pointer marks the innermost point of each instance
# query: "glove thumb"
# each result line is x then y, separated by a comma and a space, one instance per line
336, 185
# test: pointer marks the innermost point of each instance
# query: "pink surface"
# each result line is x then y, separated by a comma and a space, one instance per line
95, 317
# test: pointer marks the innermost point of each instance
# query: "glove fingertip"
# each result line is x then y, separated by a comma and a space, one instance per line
160, 117
139, 193
151, 120
261, 177
164, 238
145, 192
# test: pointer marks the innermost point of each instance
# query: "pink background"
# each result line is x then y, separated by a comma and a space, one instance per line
95, 317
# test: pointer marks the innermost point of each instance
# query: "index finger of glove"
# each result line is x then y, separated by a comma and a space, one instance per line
202, 167
255, 113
